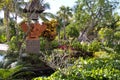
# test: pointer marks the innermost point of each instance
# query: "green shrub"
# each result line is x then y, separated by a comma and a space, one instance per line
54, 44
76, 45
2, 38
101, 54
94, 46
90, 69
2, 34
42, 44
13, 43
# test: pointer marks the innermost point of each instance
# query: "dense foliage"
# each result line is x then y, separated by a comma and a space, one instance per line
50, 31
105, 68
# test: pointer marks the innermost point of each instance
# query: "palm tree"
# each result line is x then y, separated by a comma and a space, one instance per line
10, 6
44, 15
35, 8
65, 13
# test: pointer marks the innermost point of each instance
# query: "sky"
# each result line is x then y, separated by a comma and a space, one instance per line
55, 4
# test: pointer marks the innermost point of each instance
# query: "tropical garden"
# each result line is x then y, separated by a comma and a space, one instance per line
79, 43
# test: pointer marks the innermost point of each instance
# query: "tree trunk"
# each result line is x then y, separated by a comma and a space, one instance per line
59, 36
6, 23
16, 14
64, 31
84, 34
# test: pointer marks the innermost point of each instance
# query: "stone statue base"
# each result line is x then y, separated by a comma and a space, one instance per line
33, 46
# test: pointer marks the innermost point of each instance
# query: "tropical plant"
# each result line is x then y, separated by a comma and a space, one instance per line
50, 31
64, 14
5, 74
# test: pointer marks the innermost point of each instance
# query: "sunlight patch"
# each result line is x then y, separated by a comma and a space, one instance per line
3, 47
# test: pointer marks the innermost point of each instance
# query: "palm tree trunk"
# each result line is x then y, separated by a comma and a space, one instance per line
59, 36
64, 31
16, 14
6, 23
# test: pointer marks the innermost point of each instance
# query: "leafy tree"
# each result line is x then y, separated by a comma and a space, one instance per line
109, 35
92, 13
